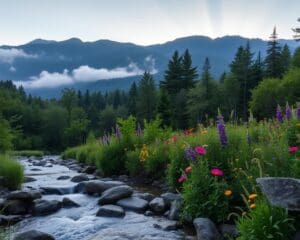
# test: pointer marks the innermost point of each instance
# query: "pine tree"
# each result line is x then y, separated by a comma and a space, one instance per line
257, 72
273, 61
132, 99
146, 104
189, 73
222, 78
206, 78
296, 58
173, 75
164, 108
285, 58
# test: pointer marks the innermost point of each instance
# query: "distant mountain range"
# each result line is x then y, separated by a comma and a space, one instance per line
45, 67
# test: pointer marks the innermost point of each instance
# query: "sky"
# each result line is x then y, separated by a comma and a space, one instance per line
143, 22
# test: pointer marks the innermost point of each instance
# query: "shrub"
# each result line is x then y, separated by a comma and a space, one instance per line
133, 164
266, 222
11, 171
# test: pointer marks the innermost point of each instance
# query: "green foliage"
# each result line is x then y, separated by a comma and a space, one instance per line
6, 135
11, 171
266, 222
133, 164
28, 153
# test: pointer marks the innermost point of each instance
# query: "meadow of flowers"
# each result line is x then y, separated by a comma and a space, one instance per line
213, 166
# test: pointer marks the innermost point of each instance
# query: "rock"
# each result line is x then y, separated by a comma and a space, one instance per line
133, 204
65, 177
170, 197
67, 202
175, 210
157, 205
23, 195
35, 170
99, 186
39, 163
110, 211
28, 179
114, 194
45, 207
123, 178
168, 225
228, 230
34, 235
149, 213
17, 207
206, 229
10, 219
281, 192
2, 203
57, 190
89, 169
79, 178
146, 196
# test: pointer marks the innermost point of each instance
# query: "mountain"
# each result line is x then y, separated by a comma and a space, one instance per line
45, 67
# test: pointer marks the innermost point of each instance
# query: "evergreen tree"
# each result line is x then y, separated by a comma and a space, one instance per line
116, 99
296, 58
273, 61
164, 108
257, 72
181, 116
132, 99
222, 78
206, 78
146, 103
189, 73
285, 58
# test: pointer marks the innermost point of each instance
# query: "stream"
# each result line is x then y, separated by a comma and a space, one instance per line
81, 223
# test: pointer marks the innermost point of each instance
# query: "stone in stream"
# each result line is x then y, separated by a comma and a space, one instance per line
97, 186
2, 203
64, 177
157, 205
175, 210
110, 211
281, 192
35, 170
133, 204
114, 194
17, 207
67, 202
79, 178
168, 225
10, 219
57, 190
89, 169
34, 235
23, 195
146, 196
206, 229
170, 197
28, 179
45, 207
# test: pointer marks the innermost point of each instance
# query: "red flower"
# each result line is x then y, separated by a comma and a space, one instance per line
200, 150
293, 149
217, 172
181, 179
188, 169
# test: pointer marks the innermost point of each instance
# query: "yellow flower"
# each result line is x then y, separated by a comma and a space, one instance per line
253, 205
228, 193
204, 132
183, 146
252, 196
144, 154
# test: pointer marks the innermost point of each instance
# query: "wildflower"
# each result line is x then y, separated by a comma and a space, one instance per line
144, 154
222, 130
298, 112
293, 149
217, 172
228, 193
188, 169
244, 213
252, 196
139, 130
279, 114
181, 179
118, 132
183, 146
288, 112
249, 139
253, 205
204, 132
200, 150
190, 154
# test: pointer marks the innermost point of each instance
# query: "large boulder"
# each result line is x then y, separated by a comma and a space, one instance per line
170, 197
23, 195
17, 207
114, 194
206, 229
57, 190
79, 178
34, 235
10, 219
98, 186
133, 204
175, 210
45, 207
281, 192
146, 196
63, 177
89, 169
110, 211
157, 205
68, 203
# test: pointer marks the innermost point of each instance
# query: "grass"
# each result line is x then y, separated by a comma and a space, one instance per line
28, 153
11, 171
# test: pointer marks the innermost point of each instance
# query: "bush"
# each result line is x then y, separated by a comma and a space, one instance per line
133, 164
11, 171
266, 222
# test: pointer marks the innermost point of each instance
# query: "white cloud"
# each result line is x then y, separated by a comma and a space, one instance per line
12, 69
86, 74
9, 55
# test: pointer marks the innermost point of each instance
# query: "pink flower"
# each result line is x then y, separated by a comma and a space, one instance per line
217, 172
188, 169
200, 150
181, 179
293, 149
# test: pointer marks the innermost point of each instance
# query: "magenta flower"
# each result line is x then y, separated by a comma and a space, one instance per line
181, 179
200, 150
217, 172
293, 149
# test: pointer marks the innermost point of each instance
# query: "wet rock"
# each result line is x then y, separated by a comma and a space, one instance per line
45, 207
110, 211
149, 213
206, 229
170, 197
98, 186
17, 207
79, 178
123, 178
67, 202
57, 190
146, 196
21, 195
281, 192
114, 194
228, 230
89, 169
35, 170
157, 205
48, 165
133, 204
168, 225
39, 163
34, 235
28, 179
64, 177
1, 203
175, 210
10, 219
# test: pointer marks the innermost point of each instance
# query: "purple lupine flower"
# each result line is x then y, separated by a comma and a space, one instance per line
279, 115
298, 112
105, 139
139, 130
288, 112
222, 130
190, 154
118, 132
